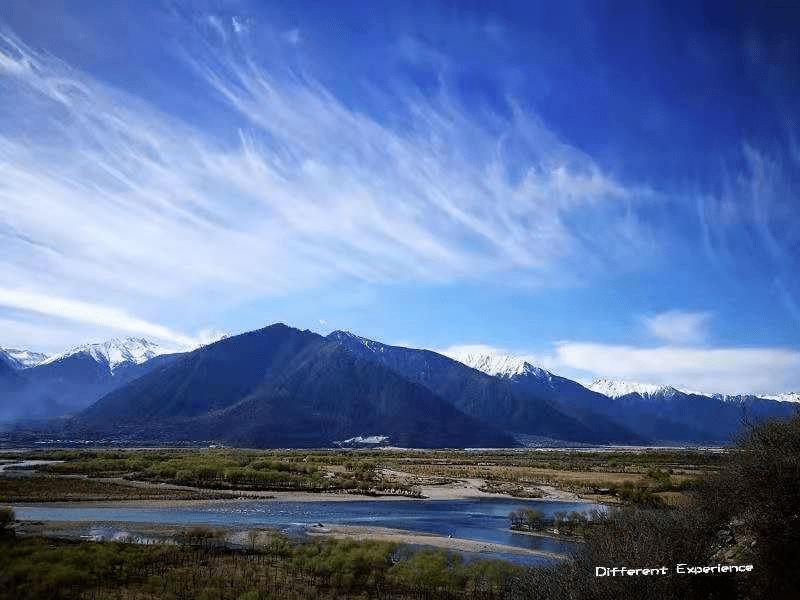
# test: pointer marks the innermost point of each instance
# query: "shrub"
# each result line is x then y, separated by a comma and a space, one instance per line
641, 496
525, 518
6, 520
759, 489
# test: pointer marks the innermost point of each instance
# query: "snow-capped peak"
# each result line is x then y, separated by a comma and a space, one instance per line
617, 389
495, 363
27, 358
340, 336
786, 397
21, 359
7, 359
116, 352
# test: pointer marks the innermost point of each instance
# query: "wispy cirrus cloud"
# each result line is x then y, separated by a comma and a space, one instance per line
106, 200
101, 317
751, 225
44, 334
216, 24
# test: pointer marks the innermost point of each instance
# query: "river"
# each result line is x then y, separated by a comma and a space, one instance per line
478, 519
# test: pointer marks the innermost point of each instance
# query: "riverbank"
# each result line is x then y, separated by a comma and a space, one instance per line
462, 489
257, 537
478, 526
125, 492
386, 534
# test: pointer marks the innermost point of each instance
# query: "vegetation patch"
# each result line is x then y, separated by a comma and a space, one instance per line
37, 568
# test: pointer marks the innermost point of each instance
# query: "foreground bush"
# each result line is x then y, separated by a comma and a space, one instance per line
6, 522
36, 568
747, 513
756, 499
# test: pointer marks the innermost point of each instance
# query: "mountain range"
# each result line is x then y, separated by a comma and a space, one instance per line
48, 386
21, 359
282, 387
659, 414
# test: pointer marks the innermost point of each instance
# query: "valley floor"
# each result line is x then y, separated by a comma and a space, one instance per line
202, 474
153, 494
179, 478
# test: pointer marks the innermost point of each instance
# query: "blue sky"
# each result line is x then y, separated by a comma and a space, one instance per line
612, 192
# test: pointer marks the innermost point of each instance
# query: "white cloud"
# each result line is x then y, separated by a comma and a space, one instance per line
711, 370
679, 327
43, 334
239, 25
102, 317
106, 201
208, 336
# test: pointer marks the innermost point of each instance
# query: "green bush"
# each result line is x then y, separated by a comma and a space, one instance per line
663, 478
641, 496
430, 570
6, 519
526, 518
758, 491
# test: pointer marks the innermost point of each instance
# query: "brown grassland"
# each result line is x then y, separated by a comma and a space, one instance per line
184, 474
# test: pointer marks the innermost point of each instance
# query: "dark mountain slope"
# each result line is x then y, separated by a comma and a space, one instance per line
207, 379
71, 384
279, 386
10, 380
491, 399
609, 414
680, 416
327, 395
12, 386
8, 361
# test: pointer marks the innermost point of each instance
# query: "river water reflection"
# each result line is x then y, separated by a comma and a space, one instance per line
479, 519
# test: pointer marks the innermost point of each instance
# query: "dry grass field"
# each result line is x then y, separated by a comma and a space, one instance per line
185, 474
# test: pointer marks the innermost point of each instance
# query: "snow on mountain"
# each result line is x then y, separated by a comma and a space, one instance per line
736, 398
115, 352
7, 361
787, 397
206, 338
341, 336
370, 440
494, 363
22, 359
618, 389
